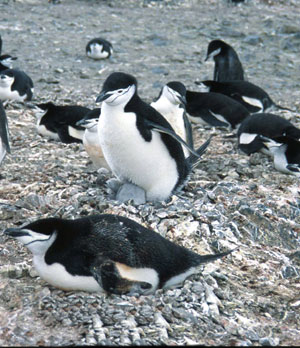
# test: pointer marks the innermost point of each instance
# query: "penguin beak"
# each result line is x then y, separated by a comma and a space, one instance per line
102, 96
207, 58
16, 232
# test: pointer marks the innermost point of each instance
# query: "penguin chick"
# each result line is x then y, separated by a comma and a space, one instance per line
252, 97
286, 156
106, 252
171, 104
138, 143
90, 138
15, 85
99, 48
267, 125
227, 64
59, 121
214, 109
6, 62
4, 136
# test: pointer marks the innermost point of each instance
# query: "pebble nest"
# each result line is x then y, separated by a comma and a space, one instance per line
231, 201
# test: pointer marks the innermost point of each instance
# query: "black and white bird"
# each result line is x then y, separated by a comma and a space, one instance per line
214, 109
59, 121
15, 85
227, 64
6, 61
107, 252
99, 48
4, 135
251, 96
255, 128
138, 143
90, 138
171, 104
286, 154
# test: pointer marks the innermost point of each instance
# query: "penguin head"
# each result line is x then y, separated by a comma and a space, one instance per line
215, 47
204, 86
7, 78
90, 124
175, 92
41, 109
118, 89
7, 60
37, 236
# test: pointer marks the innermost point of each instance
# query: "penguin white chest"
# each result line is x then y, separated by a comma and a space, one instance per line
147, 164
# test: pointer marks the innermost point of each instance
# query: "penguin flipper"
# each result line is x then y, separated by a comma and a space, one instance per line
293, 167
4, 137
194, 160
189, 130
170, 132
109, 278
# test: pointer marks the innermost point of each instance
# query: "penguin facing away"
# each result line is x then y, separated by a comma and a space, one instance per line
106, 252
214, 109
138, 143
286, 154
4, 135
171, 104
15, 85
251, 96
266, 125
59, 121
227, 64
99, 48
90, 138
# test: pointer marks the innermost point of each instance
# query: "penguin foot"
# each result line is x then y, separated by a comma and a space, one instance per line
130, 191
112, 281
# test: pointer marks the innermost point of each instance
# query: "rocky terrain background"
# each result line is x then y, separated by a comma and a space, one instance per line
250, 297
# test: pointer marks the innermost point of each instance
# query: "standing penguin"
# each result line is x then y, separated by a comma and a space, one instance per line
252, 97
90, 138
214, 109
227, 64
274, 127
106, 252
4, 137
98, 48
138, 143
15, 85
171, 104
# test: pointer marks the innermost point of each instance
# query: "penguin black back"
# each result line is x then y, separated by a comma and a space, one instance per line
227, 63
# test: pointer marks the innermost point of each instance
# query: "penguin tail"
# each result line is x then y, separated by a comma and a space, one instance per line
194, 160
212, 257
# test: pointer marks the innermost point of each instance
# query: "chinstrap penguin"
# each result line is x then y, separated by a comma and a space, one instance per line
252, 97
286, 154
171, 104
15, 85
6, 62
259, 125
59, 121
99, 48
4, 135
90, 138
107, 252
138, 143
214, 109
227, 64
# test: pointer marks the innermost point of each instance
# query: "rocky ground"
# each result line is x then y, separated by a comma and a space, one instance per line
232, 200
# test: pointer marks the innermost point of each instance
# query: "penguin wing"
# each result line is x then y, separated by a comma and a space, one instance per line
189, 130
4, 138
293, 167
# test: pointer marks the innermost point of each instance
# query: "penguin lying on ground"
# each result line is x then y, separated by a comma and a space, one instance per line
4, 137
6, 62
274, 127
252, 97
59, 121
286, 154
214, 109
139, 144
171, 104
99, 48
227, 64
15, 85
90, 138
107, 252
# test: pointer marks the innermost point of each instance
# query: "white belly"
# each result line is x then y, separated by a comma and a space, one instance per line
45, 132
92, 147
56, 275
146, 164
6, 93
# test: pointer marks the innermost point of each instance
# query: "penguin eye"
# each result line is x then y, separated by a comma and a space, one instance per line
120, 91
